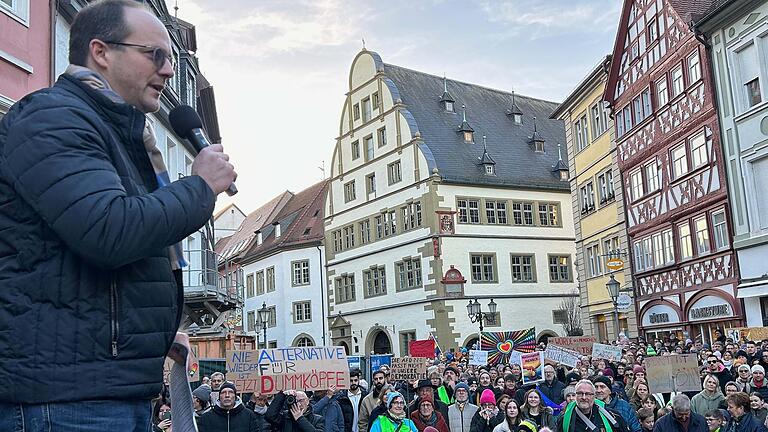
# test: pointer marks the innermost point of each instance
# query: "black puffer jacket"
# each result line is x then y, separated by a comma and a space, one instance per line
284, 422
86, 287
237, 419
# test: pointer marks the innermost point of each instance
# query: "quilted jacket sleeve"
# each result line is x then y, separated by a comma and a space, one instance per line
60, 166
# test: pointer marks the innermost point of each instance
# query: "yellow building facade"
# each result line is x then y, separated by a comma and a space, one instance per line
601, 236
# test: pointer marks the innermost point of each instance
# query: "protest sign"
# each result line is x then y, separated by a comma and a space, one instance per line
607, 352
422, 348
557, 354
580, 344
193, 368
532, 365
500, 344
477, 357
379, 360
272, 370
756, 334
408, 369
674, 373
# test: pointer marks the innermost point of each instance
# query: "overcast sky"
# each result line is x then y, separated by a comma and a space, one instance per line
280, 67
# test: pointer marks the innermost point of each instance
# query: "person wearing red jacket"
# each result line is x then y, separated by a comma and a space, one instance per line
426, 415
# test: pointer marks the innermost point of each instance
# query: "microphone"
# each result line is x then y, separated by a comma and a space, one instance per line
186, 123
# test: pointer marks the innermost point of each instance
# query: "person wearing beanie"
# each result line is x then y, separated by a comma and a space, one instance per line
639, 374
381, 408
297, 417
758, 382
427, 416
604, 394
743, 377
229, 413
445, 391
370, 401
460, 414
201, 398
527, 426
424, 388
488, 416
395, 419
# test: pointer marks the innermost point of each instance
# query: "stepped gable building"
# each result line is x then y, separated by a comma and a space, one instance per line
442, 193
672, 167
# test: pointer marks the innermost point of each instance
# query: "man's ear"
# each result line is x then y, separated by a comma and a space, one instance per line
99, 53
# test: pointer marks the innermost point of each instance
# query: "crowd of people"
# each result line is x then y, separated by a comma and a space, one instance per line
595, 395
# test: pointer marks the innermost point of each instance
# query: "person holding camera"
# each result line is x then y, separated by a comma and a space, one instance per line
229, 414
290, 412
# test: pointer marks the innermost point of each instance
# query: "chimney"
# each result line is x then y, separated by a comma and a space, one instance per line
277, 228
259, 238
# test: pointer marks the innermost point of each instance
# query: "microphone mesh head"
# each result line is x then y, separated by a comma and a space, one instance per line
183, 119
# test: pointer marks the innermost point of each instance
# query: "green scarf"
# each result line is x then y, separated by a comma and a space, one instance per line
569, 413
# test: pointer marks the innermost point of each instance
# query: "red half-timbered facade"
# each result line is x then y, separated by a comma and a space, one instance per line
672, 172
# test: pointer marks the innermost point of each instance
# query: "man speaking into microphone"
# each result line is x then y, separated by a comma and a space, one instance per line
90, 223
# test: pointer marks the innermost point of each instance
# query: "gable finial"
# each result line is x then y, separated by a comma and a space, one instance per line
445, 83
363, 38
485, 145
464, 111
559, 153
534, 125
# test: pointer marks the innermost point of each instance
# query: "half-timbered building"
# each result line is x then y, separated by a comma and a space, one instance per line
671, 163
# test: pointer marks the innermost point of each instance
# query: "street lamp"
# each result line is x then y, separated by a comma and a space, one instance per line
613, 290
476, 315
264, 318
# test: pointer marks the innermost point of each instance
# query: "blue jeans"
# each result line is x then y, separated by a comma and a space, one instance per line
87, 416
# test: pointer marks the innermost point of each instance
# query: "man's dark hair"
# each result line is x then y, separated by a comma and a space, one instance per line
509, 377
715, 414
379, 372
645, 413
739, 399
354, 372
103, 20
757, 395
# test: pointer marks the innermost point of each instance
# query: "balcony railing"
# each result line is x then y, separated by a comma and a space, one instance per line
202, 278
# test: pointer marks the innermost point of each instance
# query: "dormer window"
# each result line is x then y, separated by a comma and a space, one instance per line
536, 140
465, 128
515, 111
446, 99
539, 147
517, 118
490, 170
486, 160
469, 136
448, 106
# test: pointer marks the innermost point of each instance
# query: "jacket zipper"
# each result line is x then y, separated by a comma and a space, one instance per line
115, 326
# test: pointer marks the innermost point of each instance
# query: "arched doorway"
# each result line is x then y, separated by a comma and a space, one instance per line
346, 347
545, 335
381, 343
472, 343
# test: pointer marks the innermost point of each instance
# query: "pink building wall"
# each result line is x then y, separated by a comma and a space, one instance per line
30, 44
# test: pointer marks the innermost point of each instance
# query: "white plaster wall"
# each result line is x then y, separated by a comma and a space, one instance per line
412, 317
285, 295
752, 312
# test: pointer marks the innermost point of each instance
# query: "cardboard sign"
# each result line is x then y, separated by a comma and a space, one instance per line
269, 371
532, 365
580, 344
193, 371
557, 354
408, 369
477, 357
674, 373
756, 334
607, 352
422, 348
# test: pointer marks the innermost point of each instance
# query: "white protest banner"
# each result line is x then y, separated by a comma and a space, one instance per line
607, 352
580, 344
477, 357
561, 355
272, 370
674, 373
408, 369
515, 357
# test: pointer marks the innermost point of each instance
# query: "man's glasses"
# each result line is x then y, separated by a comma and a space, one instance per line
584, 394
159, 55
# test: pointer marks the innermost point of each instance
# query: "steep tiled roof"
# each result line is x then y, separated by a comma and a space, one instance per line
301, 222
693, 10
517, 164
257, 220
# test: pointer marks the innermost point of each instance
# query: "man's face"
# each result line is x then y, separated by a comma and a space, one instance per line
461, 395
216, 382
426, 409
751, 348
449, 376
424, 392
485, 379
494, 374
647, 423
227, 398
549, 373
379, 380
713, 363
744, 373
354, 383
713, 423
585, 397
510, 384
302, 401
130, 71
758, 376
735, 411
682, 416
602, 391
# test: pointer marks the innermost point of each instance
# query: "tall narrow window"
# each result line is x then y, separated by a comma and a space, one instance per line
720, 230
749, 72
684, 234
699, 151
366, 109
474, 211
382, 136
370, 183
677, 81
694, 67
368, 141
636, 184
355, 149
702, 235
349, 191
463, 209
669, 246
662, 94
394, 172
679, 161
653, 176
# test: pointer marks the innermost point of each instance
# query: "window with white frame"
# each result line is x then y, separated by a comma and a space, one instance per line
636, 184
699, 151
702, 235
549, 214
620, 124
748, 61
599, 119
304, 342
300, 272
408, 273
375, 100
249, 288
368, 143
627, 114
496, 212
639, 256
367, 109
270, 279
349, 191
375, 280
251, 317
653, 175
720, 230
355, 149
679, 161
662, 93
523, 268
356, 111
594, 260
260, 282
469, 211
522, 213
302, 311
382, 135
582, 135
394, 173
345, 288
365, 231
587, 197
684, 235
694, 67
669, 246
349, 236
370, 183
17, 8
677, 81
483, 267
658, 249
648, 253
411, 215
